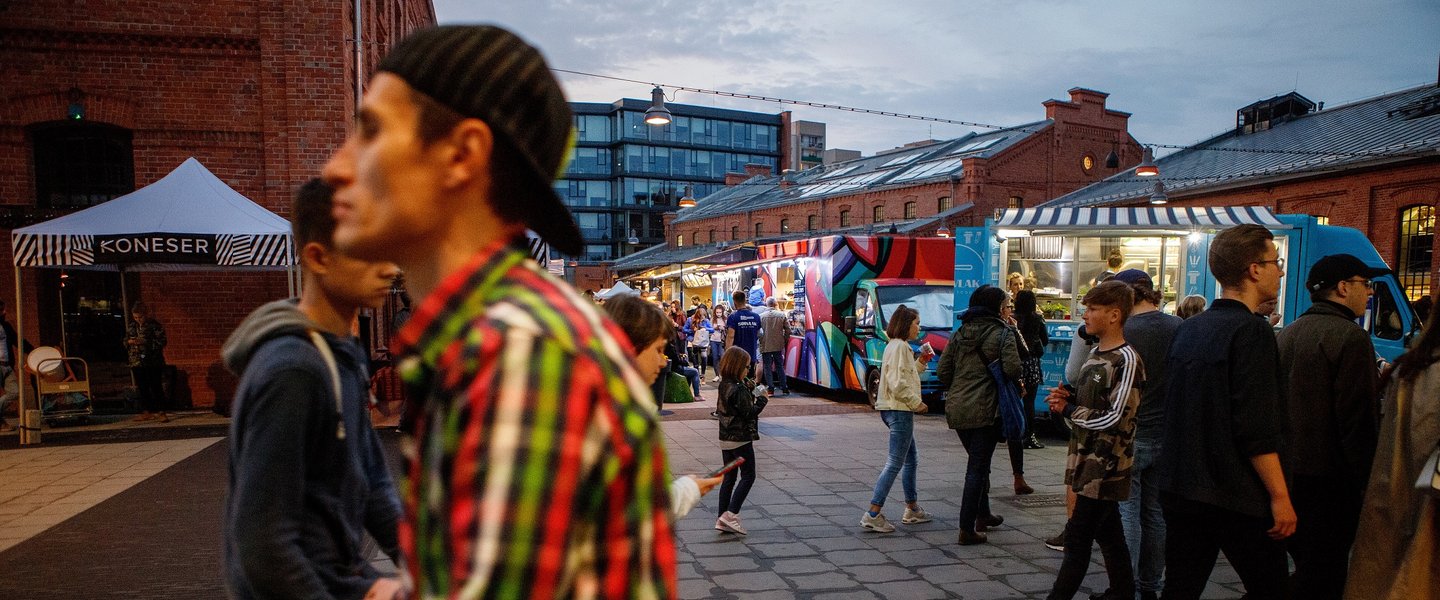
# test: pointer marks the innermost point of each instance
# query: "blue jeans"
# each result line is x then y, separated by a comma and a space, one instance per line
1143, 518
716, 350
903, 458
693, 375
975, 500
774, 370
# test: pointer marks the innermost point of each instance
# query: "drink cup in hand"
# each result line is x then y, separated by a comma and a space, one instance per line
760, 390
927, 350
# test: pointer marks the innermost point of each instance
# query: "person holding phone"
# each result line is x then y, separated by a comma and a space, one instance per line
898, 400
648, 329
738, 409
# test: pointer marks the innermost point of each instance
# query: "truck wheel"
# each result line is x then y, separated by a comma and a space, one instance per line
872, 385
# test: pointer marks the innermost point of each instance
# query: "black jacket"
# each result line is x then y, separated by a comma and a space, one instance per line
739, 411
1331, 395
1032, 328
1223, 406
10, 338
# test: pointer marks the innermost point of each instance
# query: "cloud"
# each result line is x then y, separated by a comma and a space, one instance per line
1182, 70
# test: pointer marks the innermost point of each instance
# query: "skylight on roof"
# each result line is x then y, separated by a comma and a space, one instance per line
903, 160
931, 169
980, 145
838, 186
843, 171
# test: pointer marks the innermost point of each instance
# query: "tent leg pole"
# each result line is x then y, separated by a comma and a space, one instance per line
20, 359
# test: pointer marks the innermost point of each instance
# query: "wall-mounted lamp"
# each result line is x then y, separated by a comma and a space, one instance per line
657, 114
1147, 167
76, 111
1159, 197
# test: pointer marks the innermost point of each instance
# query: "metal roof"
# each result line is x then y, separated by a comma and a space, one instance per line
1378, 130
898, 168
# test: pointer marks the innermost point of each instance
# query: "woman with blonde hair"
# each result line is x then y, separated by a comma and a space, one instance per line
1190, 306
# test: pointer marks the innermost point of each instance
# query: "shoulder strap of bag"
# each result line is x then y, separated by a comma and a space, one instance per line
329, 356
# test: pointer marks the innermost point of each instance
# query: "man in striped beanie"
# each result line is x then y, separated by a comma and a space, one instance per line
538, 469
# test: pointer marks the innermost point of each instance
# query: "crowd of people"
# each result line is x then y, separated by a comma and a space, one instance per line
535, 461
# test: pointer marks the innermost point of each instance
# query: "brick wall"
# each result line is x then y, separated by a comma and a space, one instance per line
259, 91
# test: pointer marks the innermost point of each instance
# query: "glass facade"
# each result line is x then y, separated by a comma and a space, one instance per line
624, 175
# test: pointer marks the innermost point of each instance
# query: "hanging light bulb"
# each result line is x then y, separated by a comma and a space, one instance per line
688, 200
1112, 160
1159, 197
657, 114
1147, 167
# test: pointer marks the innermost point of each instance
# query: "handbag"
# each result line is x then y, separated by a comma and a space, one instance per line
1011, 405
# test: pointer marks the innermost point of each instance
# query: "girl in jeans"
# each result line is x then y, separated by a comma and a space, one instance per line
738, 410
898, 401
718, 315
698, 345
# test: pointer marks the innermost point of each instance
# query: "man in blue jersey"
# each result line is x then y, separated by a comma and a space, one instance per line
743, 328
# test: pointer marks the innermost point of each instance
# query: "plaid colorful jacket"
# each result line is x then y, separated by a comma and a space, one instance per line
537, 468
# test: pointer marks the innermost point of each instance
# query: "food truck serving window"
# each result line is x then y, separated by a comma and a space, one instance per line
933, 301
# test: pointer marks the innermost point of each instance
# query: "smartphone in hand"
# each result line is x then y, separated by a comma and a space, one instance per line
727, 468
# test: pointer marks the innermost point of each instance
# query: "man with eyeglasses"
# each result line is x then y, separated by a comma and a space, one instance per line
1221, 484
1330, 400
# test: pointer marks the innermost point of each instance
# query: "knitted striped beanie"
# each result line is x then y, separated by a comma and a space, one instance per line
488, 73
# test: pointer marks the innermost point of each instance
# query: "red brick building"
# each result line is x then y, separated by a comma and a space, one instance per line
957, 182
107, 96
1373, 165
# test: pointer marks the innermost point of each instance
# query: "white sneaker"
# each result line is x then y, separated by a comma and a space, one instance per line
876, 523
916, 515
730, 522
715, 379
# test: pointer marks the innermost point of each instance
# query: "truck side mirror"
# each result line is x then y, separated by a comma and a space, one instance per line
849, 325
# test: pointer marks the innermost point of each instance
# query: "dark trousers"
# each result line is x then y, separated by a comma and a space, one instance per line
975, 500
1194, 535
737, 482
1094, 521
149, 388
773, 367
1328, 511
697, 357
661, 386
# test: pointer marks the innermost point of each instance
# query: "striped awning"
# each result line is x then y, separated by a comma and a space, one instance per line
1138, 217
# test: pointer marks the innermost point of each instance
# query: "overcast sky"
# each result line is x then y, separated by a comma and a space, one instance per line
1181, 70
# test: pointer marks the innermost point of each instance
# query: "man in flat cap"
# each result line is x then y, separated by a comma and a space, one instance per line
537, 469
1332, 427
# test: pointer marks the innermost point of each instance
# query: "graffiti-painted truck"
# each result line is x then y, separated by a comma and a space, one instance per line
1062, 253
840, 292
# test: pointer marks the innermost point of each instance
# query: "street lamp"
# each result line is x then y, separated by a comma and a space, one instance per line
688, 200
632, 240
657, 113
1159, 197
1112, 160
1147, 167
943, 231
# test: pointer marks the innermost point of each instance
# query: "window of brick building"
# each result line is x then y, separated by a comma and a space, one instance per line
1417, 247
944, 204
1016, 202
679, 241
712, 236
759, 229
877, 214
812, 223
81, 164
844, 218
784, 225
909, 210
734, 232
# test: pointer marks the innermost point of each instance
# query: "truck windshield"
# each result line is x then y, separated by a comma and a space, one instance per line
933, 301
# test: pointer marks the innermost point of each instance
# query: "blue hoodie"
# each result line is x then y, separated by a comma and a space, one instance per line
301, 497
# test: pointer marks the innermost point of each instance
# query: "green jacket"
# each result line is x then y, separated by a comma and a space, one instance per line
150, 351
970, 394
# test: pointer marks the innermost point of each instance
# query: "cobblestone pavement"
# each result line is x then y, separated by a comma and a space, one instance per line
153, 531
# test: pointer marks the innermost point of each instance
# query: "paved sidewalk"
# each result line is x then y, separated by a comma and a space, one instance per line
814, 478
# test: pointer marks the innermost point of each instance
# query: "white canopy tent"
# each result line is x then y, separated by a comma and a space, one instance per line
620, 289
188, 220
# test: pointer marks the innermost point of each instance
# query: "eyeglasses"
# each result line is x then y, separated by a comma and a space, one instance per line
1362, 281
1279, 263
